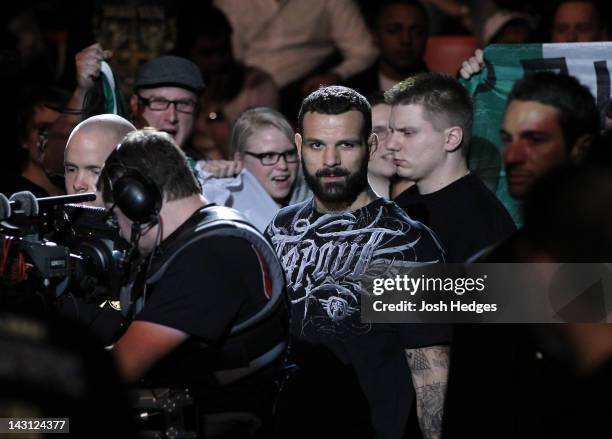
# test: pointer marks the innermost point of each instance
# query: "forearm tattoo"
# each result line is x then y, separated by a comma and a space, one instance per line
429, 370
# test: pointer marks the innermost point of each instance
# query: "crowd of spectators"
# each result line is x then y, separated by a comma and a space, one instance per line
317, 120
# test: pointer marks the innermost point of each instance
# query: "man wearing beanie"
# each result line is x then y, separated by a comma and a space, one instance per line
166, 96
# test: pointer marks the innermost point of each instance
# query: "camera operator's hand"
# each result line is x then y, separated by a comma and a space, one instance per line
472, 65
88, 63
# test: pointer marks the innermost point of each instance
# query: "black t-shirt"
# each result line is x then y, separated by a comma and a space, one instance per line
467, 218
465, 215
324, 257
15, 183
211, 285
104, 320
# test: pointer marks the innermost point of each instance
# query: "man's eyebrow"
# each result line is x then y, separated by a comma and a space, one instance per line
88, 167
526, 133
276, 152
349, 140
535, 133
313, 140
403, 127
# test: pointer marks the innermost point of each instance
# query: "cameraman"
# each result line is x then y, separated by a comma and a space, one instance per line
203, 272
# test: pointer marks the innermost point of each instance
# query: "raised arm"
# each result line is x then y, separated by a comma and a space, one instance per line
88, 62
352, 38
472, 65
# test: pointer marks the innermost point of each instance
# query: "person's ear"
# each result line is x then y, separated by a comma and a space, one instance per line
580, 148
453, 137
298, 144
373, 145
134, 104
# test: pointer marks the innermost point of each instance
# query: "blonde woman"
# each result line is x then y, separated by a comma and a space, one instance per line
265, 174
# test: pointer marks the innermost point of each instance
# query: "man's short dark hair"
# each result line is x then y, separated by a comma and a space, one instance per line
155, 155
444, 100
52, 97
578, 114
337, 99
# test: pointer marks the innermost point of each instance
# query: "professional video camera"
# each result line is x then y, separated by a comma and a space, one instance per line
52, 247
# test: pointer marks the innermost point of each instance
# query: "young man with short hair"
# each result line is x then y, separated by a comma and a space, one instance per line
430, 129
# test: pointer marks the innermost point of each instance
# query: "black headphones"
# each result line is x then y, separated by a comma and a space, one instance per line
138, 197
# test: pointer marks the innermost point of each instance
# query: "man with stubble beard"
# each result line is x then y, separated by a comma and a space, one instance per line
360, 372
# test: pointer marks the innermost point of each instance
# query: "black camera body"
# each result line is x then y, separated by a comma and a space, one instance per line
67, 248
99, 255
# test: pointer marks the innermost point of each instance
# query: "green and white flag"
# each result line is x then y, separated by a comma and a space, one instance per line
504, 64
113, 99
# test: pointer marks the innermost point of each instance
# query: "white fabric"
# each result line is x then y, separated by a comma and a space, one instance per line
289, 38
245, 194
580, 59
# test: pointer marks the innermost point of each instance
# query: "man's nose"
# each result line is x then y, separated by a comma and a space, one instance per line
390, 142
171, 112
515, 152
80, 183
571, 36
406, 37
331, 157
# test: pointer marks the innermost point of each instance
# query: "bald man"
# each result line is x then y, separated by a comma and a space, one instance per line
89, 144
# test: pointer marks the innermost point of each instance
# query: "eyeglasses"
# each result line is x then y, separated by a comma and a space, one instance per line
187, 106
272, 158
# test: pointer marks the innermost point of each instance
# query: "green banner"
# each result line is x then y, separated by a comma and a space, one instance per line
490, 89
504, 64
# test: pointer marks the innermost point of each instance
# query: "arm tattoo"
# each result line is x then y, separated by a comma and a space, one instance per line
429, 370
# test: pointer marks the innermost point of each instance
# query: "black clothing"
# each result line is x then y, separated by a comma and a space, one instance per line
49, 368
368, 81
17, 183
209, 287
518, 380
204, 303
103, 320
465, 215
325, 256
